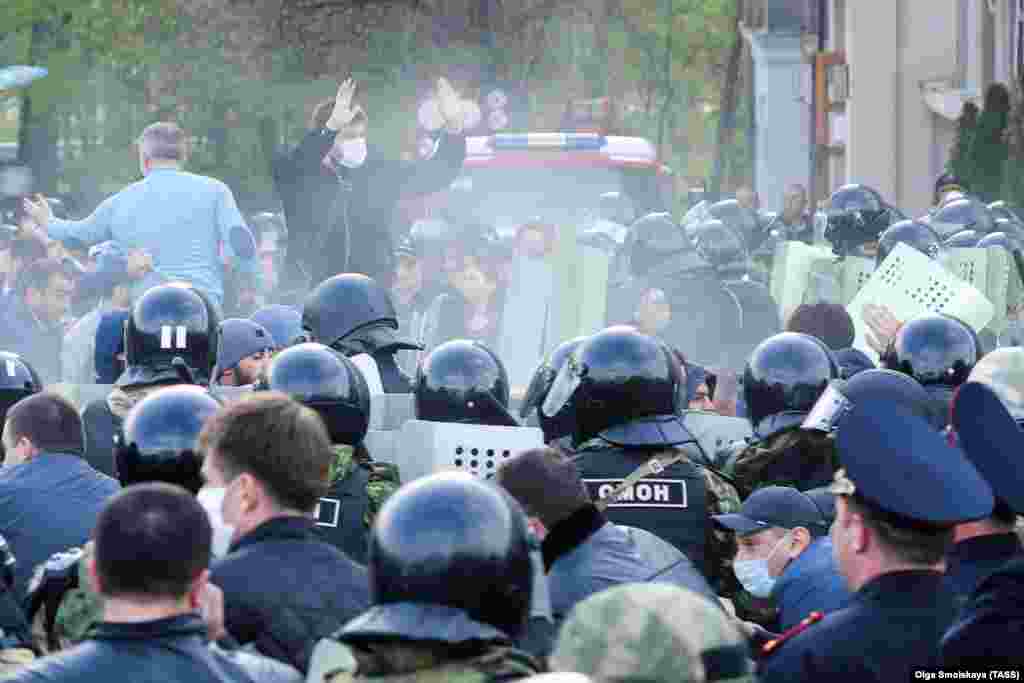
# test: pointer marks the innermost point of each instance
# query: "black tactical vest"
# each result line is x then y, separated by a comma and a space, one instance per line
672, 504
340, 514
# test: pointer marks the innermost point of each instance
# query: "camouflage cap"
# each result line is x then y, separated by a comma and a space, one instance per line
651, 632
1002, 371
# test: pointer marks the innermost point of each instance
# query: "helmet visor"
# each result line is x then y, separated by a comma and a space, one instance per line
827, 413
563, 388
539, 388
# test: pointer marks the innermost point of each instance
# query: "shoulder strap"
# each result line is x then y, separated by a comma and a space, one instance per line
653, 466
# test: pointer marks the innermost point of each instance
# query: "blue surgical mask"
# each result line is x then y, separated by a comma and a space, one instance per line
755, 576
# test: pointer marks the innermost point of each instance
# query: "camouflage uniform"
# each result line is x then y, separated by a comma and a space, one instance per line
796, 458
80, 607
650, 632
384, 478
407, 662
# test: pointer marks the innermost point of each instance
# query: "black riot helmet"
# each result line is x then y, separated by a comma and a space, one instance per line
540, 384
1002, 209
654, 241
168, 322
283, 322
451, 539
935, 349
870, 387
719, 244
353, 314
322, 379
857, 216
912, 233
463, 381
159, 438
1007, 241
18, 379
743, 221
964, 213
624, 387
785, 376
964, 239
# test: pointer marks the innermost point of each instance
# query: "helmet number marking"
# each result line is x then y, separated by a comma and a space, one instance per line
173, 337
10, 368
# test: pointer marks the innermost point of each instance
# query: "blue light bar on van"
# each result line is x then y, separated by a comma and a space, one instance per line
566, 141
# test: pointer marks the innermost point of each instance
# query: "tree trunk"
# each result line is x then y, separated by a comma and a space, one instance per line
726, 135
38, 134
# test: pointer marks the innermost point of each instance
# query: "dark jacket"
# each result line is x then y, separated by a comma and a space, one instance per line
990, 628
161, 651
585, 553
47, 505
971, 561
810, 583
890, 629
317, 204
284, 589
23, 333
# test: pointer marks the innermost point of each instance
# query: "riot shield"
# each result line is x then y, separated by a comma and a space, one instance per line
988, 271
909, 283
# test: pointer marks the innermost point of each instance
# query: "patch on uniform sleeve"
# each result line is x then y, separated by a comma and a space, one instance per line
327, 512
646, 493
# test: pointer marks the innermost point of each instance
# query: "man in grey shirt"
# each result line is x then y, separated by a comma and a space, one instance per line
189, 223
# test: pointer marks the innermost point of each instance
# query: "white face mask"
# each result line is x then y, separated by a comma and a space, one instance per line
755, 576
212, 500
353, 152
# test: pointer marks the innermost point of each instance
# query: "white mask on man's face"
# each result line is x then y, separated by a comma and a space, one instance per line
212, 500
353, 152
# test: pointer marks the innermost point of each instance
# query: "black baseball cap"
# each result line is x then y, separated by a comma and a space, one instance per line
774, 506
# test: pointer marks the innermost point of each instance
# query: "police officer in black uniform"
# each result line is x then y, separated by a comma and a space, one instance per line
158, 442
557, 430
170, 338
451, 578
722, 247
705, 317
18, 379
625, 394
324, 380
463, 381
353, 314
895, 512
938, 351
988, 630
783, 379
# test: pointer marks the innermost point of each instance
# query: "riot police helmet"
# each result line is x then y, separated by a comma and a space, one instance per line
965, 213
18, 379
912, 233
283, 322
740, 219
455, 541
870, 386
719, 244
465, 382
168, 322
353, 314
963, 239
1002, 209
935, 349
784, 377
324, 380
159, 438
1007, 241
856, 217
623, 386
558, 426
652, 241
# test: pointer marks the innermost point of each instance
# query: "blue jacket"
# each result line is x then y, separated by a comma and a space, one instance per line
182, 219
585, 554
810, 583
971, 561
47, 505
39, 343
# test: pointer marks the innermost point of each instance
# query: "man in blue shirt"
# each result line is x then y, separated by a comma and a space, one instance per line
187, 222
49, 495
